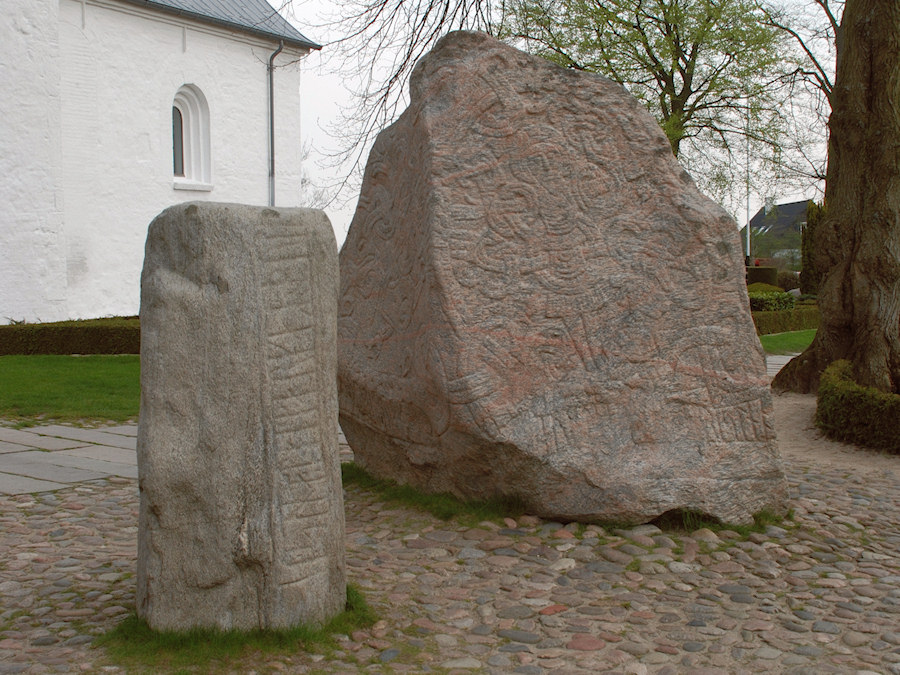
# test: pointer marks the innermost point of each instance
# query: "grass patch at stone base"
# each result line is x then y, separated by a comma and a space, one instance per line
447, 507
134, 646
444, 506
687, 521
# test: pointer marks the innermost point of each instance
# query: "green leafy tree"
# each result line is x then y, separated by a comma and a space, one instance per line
709, 70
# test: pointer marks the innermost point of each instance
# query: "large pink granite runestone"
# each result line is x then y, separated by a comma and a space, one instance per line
537, 302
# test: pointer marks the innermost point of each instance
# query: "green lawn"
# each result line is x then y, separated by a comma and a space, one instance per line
69, 388
787, 343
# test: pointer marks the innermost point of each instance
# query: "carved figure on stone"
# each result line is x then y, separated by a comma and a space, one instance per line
241, 510
537, 302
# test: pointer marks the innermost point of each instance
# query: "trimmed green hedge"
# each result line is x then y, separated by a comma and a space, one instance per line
771, 302
119, 335
763, 275
855, 414
802, 317
764, 288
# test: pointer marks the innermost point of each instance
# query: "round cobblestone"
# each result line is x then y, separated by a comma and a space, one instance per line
819, 593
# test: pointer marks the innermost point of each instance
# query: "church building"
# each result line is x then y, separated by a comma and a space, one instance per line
113, 110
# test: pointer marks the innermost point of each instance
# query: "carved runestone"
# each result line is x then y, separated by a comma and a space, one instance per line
241, 511
537, 302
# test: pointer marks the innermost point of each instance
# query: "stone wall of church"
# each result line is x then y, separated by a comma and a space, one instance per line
105, 148
32, 240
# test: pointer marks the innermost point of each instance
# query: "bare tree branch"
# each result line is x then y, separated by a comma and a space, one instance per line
671, 54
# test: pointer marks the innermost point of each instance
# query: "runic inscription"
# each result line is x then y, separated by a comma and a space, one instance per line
241, 516
536, 301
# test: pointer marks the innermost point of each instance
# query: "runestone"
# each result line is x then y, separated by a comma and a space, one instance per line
537, 303
241, 522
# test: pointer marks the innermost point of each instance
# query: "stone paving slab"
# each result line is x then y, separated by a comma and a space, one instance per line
85, 459
123, 430
103, 453
16, 484
5, 447
97, 436
35, 440
43, 465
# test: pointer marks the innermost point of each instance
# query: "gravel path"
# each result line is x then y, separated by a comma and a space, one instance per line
820, 594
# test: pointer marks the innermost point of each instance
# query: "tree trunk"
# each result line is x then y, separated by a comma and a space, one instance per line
858, 243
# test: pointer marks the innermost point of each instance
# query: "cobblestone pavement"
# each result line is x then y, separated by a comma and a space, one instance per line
819, 594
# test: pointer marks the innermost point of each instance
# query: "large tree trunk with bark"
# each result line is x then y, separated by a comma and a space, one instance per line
858, 243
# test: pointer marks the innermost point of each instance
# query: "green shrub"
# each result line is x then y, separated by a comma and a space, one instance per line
800, 318
763, 288
765, 275
117, 335
771, 301
788, 280
855, 414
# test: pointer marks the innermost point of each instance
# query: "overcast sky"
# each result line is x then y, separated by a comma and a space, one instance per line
324, 91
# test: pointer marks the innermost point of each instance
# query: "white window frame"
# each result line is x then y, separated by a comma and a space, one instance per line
192, 105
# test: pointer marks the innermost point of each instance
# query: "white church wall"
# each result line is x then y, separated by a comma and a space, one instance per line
32, 242
121, 68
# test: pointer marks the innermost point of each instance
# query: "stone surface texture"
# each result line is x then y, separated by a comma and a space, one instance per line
537, 302
241, 511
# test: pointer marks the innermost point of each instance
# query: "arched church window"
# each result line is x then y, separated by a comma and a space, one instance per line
192, 165
178, 141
